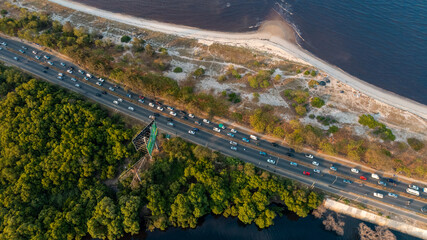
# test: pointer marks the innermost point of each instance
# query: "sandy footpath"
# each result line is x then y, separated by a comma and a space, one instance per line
263, 41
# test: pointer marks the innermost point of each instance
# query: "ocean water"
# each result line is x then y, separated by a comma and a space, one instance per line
383, 42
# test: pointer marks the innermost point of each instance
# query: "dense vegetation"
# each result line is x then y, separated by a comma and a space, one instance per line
187, 181
379, 128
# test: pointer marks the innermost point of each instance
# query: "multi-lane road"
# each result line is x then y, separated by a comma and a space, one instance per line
343, 181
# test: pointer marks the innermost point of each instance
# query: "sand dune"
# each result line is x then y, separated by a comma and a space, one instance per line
266, 39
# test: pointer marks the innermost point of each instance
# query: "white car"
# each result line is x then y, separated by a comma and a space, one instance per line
373, 175
151, 117
99, 83
50, 63
116, 102
309, 156
81, 72
378, 195
59, 77
191, 132
315, 163
15, 58
170, 108
170, 124
69, 71
111, 89
191, 115
88, 75
101, 79
271, 161
206, 121
60, 74
172, 113
355, 170
233, 131
46, 57
131, 108
1, 48
73, 79
140, 100
233, 148
151, 104
37, 57
416, 188
120, 100
62, 64
233, 143
160, 108
34, 52
216, 129
77, 85
316, 170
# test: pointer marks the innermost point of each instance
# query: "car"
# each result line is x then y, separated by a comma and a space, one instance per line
198, 123
233, 148
253, 137
88, 75
289, 154
206, 121
46, 57
423, 209
196, 129
373, 175
99, 83
4, 43
274, 144
233, 143
81, 72
378, 195
184, 117
62, 64
160, 108
98, 94
245, 140
262, 153
306, 173
129, 95
60, 74
191, 115
141, 97
315, 163
141, 100
21, 51
158, 103
37, 57
77, 85
293, 164
116, 102
333, 168
416, 188
34, 52
191, 132
355, 170
230, 134
425, 189
347, 181
71, 68
382, 183
120, 100
170, 124
362, 178
69, 71
131, 108
60, 77
172, 113
392, 181
86, 78
151, 104
308, 156
170, 108
169, 119
50, 63
151, 117
1, 48
24, 47
16, 58
393, 195
271, 161
233, 130
44, 71
101, 79
156, 114
216, 129
316, 170
104, 92
221, 125
46, 67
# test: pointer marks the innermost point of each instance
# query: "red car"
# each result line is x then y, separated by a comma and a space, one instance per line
141, 97
363, 178
306, 173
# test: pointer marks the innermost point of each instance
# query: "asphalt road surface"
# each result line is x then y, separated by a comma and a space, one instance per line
22, 56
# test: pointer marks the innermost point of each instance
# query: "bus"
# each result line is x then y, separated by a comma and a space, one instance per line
412, 191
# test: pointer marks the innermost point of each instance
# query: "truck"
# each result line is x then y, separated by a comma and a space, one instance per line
412, 191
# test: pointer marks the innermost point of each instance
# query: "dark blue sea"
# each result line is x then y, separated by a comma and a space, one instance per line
383, 42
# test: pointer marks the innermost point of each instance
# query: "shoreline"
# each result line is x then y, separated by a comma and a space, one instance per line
262, 41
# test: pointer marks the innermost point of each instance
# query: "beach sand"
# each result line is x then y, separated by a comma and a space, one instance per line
268, 38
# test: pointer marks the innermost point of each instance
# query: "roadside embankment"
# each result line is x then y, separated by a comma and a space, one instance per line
376, 219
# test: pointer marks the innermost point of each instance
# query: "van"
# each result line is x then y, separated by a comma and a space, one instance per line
254, 137
373, 175
378, 195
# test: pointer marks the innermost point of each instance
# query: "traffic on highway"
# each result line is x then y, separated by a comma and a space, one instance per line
348, 181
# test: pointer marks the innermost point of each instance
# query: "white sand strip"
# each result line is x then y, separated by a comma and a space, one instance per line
260, 41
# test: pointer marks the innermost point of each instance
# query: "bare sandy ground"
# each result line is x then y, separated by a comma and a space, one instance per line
270, 39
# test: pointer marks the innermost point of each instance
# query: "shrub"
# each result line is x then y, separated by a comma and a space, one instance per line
333, 129
234, 98
199, 72
222, 78
415, 144
237, 116
256, 96
317, 102
380, 128
300, 110
125, 39
3, 12
298, 71
313, 83
277, 77
313, 73
306, 72
177, 70
312, 116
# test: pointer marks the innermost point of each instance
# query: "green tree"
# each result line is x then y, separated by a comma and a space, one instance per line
125, 39
317, 102
105, 221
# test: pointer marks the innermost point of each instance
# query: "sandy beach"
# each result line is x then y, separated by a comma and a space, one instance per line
264, 40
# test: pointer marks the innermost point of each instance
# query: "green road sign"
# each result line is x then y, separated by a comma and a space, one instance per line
152, 140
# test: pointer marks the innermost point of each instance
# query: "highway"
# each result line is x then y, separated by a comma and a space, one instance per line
328, 180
